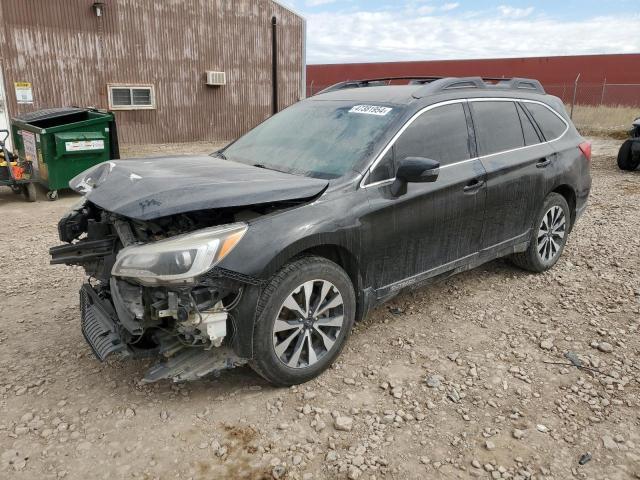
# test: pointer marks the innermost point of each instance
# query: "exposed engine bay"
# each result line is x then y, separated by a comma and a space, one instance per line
189, 324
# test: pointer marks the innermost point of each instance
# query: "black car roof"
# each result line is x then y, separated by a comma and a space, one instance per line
398, 94
432, 88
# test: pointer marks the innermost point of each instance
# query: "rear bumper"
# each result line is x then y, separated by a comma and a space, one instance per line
580, 210
99, 324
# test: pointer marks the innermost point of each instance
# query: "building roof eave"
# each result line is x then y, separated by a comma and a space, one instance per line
289, 8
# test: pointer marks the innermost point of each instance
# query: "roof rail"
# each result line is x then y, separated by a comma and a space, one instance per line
435, 84
453, 83
523, 83
377, 82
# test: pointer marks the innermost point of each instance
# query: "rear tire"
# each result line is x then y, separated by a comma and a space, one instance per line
625, 157
304, 317
548, 236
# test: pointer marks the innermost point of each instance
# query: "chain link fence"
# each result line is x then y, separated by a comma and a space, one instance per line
597, 94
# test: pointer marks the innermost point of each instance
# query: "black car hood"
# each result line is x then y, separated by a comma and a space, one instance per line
150, 188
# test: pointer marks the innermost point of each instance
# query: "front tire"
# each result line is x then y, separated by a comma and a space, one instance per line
548, 236
304, 317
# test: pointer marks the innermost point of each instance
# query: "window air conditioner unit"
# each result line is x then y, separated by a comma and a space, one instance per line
216, 78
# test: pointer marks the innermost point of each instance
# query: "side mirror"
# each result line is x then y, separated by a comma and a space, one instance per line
414, 170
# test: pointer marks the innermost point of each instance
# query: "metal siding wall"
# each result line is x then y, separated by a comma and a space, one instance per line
70, 56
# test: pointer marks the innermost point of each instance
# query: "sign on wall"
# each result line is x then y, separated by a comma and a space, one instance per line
24, 92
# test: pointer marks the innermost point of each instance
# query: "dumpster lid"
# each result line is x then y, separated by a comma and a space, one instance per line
50, 113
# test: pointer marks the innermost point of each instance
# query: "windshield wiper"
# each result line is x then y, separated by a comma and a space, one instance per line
263, 166
219, 155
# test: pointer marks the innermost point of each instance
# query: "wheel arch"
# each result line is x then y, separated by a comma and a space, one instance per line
331, 250
569, 194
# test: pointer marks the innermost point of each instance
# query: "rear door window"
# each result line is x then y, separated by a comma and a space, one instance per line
497, 126
550, 124
440, 134
531, 136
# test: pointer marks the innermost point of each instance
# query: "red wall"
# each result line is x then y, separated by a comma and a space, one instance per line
556, 73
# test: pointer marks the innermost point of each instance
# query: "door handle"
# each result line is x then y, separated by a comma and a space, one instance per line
544, 162
474, 186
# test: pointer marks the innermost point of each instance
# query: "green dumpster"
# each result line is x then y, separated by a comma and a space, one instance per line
63, 142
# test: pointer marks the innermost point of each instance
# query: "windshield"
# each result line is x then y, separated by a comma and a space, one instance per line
321, 139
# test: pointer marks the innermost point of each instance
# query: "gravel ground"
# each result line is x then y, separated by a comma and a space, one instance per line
458, 380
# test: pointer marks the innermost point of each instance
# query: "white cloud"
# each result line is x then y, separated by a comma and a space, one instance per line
425, 10
447, 7
512, 12
397, 35
317, 3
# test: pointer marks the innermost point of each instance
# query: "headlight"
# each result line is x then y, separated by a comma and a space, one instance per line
178, 259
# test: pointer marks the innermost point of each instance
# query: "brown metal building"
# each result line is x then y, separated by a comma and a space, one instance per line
148, 61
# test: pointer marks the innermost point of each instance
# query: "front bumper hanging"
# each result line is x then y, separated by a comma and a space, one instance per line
179, 363
99, 325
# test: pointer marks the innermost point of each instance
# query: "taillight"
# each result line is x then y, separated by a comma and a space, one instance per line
585, 148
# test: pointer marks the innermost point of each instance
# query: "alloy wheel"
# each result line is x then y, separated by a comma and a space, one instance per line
308, 324
551, 234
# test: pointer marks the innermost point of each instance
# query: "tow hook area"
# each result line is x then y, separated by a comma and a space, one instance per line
192, 364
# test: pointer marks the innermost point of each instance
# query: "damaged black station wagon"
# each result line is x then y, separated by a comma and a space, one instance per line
267, 251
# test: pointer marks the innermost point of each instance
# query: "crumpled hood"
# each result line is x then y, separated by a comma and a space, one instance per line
150, 188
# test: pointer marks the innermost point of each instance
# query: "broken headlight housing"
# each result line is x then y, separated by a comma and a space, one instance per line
178, 259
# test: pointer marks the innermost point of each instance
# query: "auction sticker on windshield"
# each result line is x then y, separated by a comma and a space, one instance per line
371, 110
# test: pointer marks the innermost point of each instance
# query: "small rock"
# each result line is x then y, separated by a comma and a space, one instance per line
433, 381
354, 473
344, 424
542, 428
454, 396
331, 456
585, 458
27, 417
129, 412
518, 434
546, 344
489, 445
278, 472
84, 446
475, 463
605, 347
609, 443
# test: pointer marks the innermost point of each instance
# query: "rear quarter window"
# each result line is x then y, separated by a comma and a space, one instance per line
550, 124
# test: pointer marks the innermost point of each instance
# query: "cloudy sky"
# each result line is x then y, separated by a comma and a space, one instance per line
342, 31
